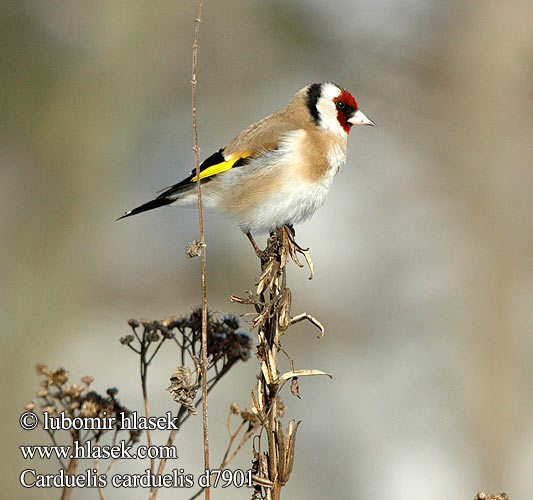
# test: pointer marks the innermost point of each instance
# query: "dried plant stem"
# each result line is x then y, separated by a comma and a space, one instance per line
52, 437
252, 429
272, 467
183, 415
204, 362
110, 466
97, 468
227, 459
72, 468
144, 374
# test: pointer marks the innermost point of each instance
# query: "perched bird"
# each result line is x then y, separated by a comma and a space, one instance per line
278, 170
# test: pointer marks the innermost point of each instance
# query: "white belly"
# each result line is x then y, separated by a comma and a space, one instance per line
292, 205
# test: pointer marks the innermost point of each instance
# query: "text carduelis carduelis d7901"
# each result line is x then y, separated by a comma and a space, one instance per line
279, 169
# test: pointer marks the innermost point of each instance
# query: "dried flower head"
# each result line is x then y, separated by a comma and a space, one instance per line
112, 391
41, 369
182, 389
89, 408
74, 390
485, 496
223, 336
75, 400
127, 339
133, 323
248, 416
57, 377
135, 436
193, 249
87, 380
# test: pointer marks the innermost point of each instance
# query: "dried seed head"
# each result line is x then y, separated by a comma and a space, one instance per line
89, 409
182, 389
249, 416
41, 369
105, 411
193, 249
280, 406
133, 323
57, 377
126, 340
30, 405
87, 380
485, 496
295, 388
182, 377
135, 436
172, 322
74, 390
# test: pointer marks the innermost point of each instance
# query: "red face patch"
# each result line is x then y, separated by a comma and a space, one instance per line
346, 105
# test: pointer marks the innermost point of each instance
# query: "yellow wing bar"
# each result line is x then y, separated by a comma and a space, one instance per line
219, 167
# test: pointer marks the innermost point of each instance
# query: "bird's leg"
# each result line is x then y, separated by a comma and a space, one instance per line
258, 252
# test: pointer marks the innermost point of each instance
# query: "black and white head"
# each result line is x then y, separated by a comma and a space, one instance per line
334, 109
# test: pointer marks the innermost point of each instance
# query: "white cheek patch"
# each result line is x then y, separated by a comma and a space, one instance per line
327, 111
330, 91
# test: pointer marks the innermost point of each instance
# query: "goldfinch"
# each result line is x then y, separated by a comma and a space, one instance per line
278, 170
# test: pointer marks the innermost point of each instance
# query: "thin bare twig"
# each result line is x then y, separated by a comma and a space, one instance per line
72, 468
204, 362
51, 434
233, 435
144, 374
97, 468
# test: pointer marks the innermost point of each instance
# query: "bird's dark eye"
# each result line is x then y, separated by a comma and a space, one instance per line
340, 104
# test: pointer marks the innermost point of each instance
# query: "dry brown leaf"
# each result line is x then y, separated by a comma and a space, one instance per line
295, 388
264, 279
243, 300
261, 317
300, 373
312, 319
194, 249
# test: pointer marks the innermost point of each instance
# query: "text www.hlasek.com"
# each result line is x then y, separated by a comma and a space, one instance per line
88, 451
93, 450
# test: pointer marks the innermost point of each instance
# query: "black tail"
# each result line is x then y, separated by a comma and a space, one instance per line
158, 202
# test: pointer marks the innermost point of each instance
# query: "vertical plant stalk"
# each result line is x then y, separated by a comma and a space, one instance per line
272, 466
144, 374
204, 361
66, 493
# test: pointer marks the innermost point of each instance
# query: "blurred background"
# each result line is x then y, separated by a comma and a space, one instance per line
423, 250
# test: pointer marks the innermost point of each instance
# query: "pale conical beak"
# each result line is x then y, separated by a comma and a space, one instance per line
359, 118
